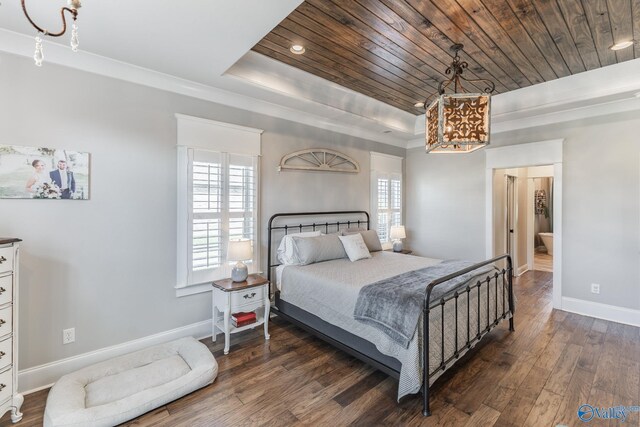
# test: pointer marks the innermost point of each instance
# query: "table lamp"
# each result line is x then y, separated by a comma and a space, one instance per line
396, 234
239, 250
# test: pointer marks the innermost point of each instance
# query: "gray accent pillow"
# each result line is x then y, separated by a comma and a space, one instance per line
370, 237
326, 247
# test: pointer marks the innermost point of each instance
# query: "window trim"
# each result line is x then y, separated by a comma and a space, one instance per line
207, 135
384, 165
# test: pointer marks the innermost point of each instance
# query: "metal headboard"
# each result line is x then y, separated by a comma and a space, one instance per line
345, 219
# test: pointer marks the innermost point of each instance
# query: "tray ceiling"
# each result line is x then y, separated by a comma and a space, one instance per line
396, 51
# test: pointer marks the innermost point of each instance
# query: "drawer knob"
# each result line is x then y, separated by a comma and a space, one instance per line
247, 296
2, 354
2, 386
2, 290
2, 259
2, 322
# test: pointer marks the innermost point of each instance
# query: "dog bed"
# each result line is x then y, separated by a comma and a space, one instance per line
117, 390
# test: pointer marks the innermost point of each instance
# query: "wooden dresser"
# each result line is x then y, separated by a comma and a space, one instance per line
10, 399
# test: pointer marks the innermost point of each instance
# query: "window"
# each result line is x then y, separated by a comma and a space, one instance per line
386, 194
223, 208
217, 202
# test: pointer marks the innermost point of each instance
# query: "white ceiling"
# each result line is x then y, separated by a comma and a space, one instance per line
196, 40
201, 48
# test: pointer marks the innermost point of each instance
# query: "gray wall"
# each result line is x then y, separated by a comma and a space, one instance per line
445, 215
601, 205
107, 266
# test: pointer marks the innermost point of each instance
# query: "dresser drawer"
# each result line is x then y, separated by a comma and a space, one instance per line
6, 289
6, 351
6, 321
6, 385
249, 296
6, 259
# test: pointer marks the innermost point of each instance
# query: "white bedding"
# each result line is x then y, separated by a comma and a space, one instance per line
330, 290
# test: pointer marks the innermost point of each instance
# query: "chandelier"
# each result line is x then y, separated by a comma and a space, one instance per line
458, 122
74, 5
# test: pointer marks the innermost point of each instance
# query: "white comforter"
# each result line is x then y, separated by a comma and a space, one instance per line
330, 289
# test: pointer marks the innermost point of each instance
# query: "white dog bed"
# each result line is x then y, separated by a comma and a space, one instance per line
117, 390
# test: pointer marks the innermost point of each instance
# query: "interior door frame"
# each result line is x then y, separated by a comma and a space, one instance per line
511, 237
525, 155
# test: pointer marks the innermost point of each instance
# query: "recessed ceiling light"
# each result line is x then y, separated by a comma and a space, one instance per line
297, 49
622, 45
419, 104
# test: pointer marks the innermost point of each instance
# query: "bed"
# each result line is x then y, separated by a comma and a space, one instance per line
321, 297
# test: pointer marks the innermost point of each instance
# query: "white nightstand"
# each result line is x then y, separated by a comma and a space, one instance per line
233, 297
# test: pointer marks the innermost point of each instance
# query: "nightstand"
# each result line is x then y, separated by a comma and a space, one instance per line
404, 251
233, 297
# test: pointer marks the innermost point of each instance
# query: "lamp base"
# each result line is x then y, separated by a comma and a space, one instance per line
397, 246
239, 272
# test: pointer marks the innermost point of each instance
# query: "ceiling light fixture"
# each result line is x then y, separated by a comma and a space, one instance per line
74, 5
297, 49
419, 104
458, 122
622, 45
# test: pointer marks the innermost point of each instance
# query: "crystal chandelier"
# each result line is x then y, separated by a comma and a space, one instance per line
74, 5
458, 122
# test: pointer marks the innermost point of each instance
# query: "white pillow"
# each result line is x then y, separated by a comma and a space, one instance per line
355, 247
286, 250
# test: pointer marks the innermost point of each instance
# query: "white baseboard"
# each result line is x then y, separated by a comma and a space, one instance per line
39, 377
624, 315
522, 269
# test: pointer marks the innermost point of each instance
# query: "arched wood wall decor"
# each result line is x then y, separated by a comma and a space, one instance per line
319, 159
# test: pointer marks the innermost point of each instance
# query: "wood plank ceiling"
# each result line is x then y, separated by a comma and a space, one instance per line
396, 51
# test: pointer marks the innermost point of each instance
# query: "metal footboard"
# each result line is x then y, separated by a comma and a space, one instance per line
507, 275
335, 221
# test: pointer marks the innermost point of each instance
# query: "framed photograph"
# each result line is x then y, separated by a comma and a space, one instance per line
43, 173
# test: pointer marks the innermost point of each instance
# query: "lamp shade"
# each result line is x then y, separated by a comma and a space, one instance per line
239, 250
458, 123
397, 232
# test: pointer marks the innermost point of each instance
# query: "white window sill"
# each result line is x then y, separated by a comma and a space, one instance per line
193, 289
183, 291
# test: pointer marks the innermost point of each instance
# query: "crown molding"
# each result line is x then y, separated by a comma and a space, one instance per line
608, 90
332, 120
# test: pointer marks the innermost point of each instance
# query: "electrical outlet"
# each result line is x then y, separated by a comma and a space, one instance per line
68, 335
595, 288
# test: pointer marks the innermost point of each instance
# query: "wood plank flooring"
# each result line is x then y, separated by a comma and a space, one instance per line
536, 376
542, 262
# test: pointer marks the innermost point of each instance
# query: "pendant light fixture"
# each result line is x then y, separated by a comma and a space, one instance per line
459, 122
74, 5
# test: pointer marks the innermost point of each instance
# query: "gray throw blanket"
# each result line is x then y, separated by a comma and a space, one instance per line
394, 305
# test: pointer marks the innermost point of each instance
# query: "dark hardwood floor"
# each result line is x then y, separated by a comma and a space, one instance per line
536, 376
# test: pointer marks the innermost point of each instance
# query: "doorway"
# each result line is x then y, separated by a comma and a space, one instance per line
525, 156
540, 191
523, 217
509, 216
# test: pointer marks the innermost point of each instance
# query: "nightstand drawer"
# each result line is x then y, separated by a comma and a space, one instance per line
6, 350
6, 289
6, 259
6, 385
249, 296
6, 321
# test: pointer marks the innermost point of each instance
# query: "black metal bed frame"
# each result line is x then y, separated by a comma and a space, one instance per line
492, 322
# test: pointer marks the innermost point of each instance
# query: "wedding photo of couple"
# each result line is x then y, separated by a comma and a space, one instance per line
43, 173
